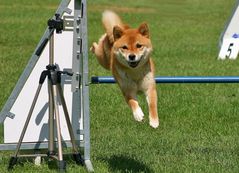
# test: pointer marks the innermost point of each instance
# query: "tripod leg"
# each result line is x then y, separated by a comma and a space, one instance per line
51, 120
13, 159
76, 155
62, 164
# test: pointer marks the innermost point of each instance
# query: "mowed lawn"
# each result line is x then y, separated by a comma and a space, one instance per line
199, 123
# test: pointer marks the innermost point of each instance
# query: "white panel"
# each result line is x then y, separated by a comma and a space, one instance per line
233, 27
229, 48
38, 128
230, 41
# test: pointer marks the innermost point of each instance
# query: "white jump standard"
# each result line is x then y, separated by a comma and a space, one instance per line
71, 93
229, 40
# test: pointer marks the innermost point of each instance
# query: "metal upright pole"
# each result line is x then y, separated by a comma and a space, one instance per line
51, 50
85, 87
51, 103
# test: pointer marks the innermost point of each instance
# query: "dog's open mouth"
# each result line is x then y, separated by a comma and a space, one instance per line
133, 64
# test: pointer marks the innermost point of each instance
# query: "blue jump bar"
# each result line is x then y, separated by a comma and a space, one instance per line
175, 79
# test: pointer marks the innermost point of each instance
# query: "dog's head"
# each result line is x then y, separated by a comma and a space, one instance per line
132, 47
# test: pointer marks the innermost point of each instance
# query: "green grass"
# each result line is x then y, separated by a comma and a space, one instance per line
198, 122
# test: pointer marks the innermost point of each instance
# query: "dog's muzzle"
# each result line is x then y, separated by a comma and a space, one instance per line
133, 64
132, 61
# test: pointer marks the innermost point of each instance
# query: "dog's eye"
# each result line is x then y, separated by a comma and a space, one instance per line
125, 47
138, 45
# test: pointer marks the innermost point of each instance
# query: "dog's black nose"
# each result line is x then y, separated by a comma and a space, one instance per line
132, 57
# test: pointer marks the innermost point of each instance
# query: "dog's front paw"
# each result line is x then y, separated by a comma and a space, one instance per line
154, 122
138, 114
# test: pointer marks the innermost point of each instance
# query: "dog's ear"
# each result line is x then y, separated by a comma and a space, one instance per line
117, 32
144, 30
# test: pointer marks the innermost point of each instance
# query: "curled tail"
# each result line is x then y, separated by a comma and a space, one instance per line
109, 20
102, 49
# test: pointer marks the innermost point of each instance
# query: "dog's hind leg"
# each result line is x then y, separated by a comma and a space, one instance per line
99, 50
151, 96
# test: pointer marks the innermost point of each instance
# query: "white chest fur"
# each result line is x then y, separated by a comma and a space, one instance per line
138, 79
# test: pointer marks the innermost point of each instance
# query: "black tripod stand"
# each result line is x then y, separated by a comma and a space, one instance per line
55, 92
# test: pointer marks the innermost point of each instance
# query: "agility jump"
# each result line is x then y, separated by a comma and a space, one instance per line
175, 79
79, 86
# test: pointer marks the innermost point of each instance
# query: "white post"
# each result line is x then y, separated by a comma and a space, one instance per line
229, 42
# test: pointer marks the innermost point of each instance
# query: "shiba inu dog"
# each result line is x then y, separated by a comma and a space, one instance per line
126, 52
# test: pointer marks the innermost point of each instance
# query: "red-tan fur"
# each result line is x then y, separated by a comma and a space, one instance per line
115, 51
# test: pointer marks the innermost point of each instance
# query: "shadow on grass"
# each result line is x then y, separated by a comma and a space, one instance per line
123, 163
